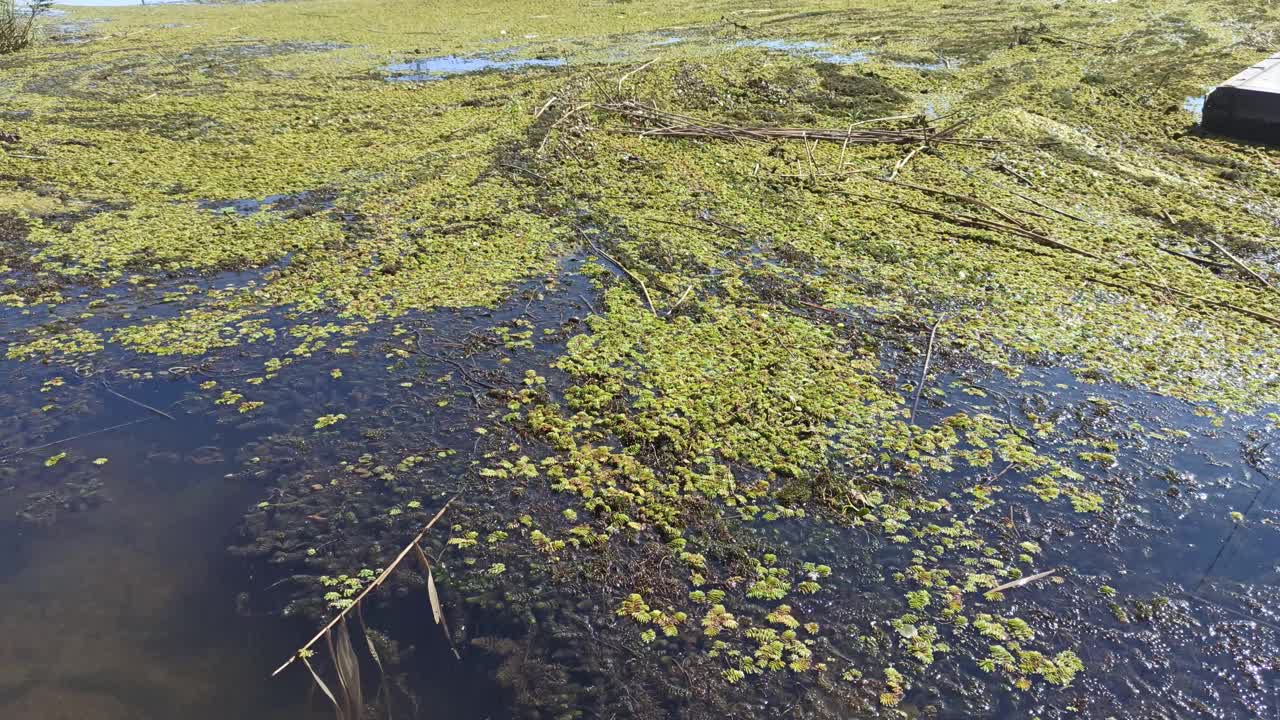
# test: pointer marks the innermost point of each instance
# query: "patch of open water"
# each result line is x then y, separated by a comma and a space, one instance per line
823, 52
438, 68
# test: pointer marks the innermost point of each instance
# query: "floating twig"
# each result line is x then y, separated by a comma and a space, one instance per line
665, 123
683, 296
305, 651
568, 114
897, 168
73, 437
924, 373
978, 223
1206, 262
1015, 584
136, 402
633, 72
635, 278
1239, 263
544, 107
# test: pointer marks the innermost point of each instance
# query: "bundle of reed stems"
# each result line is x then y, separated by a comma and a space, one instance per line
654, 121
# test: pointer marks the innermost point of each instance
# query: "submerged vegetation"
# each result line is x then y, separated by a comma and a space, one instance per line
734, 333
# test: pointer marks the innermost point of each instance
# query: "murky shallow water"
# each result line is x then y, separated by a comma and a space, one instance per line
128, 609
117, 586
134, 608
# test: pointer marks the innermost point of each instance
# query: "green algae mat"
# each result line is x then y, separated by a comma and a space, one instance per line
872, 359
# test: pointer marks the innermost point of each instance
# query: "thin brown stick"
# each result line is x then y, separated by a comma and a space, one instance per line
924, 373
1256, 315
1032, 200
633, 72
665, 123
635, 278
368, 588
1239, 263
1205, 262
1081, 43
967, 199
984, 224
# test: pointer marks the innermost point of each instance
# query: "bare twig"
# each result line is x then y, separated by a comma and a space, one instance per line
135, 402
984, 224
665, 123
897, 168
634, 278
633, 72
1015, 584
544, 107
1194, 258
305, 649
1032, 200
1238, 262
542, 145
683, 296
966, 199
924, 373
73, 437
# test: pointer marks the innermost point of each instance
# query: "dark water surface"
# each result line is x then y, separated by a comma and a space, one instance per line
118, 596
120, 599
127, 609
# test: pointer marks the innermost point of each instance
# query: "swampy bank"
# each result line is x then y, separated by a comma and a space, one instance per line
740, 419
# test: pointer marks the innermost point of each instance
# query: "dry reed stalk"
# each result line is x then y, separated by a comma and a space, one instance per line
305, 650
